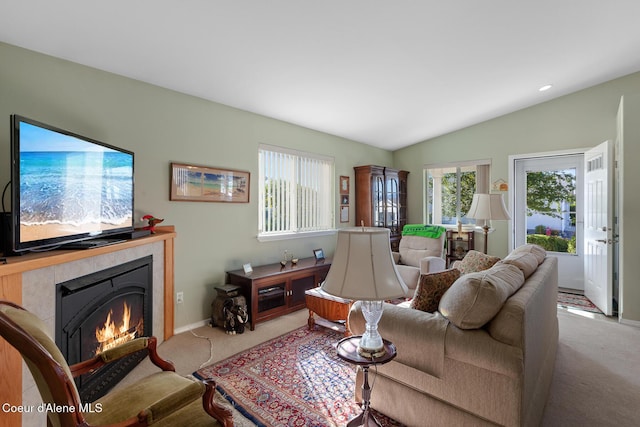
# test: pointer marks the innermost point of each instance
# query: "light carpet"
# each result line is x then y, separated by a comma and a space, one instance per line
596, 381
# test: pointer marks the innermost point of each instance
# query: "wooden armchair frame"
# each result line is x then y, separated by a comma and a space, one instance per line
25, 332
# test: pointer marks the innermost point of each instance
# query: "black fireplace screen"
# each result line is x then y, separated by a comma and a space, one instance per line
100, 311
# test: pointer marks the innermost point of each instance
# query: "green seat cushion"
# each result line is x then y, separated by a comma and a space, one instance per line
121, 404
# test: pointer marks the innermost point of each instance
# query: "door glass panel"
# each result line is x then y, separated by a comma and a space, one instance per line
551, 209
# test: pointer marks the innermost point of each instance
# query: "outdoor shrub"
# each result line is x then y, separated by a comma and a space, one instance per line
550, 243
572, 245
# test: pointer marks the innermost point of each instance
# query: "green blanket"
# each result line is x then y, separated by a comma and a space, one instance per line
432, 231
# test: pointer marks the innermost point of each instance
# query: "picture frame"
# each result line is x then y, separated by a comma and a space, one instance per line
318, 254
247, 268
344, 213
344, 199
208, 184
344, 184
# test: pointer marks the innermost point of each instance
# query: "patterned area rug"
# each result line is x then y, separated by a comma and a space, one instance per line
580, 302
294, 380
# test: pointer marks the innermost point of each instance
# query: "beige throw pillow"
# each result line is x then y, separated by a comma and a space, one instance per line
525, 261
475, 298
431, 287
538, 251
475, 261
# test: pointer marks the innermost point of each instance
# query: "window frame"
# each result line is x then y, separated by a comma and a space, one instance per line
482, 170
328, 199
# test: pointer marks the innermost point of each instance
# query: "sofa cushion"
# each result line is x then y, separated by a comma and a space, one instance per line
475, 298
431, 287
538, 251
475, 261
525, 261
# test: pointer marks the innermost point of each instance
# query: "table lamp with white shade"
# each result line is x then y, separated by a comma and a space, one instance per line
488, 207
362, 269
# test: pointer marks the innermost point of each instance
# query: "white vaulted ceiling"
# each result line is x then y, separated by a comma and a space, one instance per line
385, 73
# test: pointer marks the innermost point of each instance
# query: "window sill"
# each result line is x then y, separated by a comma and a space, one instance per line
300, 235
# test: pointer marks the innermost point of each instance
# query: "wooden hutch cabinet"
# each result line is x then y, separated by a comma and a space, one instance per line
381, 199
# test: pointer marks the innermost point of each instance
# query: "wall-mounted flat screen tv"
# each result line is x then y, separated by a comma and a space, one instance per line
66, 187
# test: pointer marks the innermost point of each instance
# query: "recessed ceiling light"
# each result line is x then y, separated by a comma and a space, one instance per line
545, 87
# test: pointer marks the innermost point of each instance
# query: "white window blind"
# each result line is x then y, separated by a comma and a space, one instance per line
295, 191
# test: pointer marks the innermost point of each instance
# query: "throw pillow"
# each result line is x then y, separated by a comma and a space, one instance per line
431, 287
475, 261
476, 298
538, 251
525, 261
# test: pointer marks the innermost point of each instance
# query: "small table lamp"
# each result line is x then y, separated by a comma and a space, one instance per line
363, 269
487, 207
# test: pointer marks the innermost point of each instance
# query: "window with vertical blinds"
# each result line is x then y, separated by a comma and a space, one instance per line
295, 192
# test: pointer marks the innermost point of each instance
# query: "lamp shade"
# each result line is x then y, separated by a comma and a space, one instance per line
362, 266
488, 206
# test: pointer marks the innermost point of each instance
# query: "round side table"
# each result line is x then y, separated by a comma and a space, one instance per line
348, 350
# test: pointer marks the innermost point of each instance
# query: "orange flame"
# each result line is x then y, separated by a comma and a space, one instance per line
112, 335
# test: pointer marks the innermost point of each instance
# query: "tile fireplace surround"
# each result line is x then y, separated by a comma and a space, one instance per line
30, 281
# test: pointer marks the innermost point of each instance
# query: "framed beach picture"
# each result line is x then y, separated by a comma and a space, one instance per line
208, 184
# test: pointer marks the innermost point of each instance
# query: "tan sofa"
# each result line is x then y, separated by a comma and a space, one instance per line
492, 369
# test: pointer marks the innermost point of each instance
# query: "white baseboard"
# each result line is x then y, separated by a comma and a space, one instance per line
187, 328
635, 323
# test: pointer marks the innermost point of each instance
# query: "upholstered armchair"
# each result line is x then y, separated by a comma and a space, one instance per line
419, 255
163, 398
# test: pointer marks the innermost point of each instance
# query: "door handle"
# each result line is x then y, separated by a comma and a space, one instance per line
603, 241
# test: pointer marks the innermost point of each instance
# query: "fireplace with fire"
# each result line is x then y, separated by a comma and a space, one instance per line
100, 311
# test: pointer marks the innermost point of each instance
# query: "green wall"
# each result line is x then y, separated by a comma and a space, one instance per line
630, 207
163, 126
582, 119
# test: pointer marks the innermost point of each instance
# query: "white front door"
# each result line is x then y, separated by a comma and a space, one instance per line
598, 227
547, 201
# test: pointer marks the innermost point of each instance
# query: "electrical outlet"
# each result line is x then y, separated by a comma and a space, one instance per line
179, 297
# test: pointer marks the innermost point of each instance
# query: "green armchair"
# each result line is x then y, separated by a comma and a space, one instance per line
163, 398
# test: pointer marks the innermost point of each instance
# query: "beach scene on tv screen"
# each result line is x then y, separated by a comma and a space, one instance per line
70, 186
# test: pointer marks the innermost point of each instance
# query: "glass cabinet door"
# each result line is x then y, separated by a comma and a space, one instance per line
271, 296
298, 288
393, 199
378, 201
